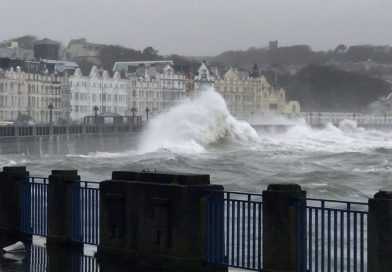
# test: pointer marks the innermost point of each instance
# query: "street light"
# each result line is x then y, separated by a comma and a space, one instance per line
95, 109
134, 110
50, 107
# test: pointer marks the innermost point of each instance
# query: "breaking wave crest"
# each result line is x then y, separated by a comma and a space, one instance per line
344, 137
195, 124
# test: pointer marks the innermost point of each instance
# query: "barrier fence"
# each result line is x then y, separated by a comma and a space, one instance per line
329, 235
85, 209
48, 130
233, 229
85, 212
333, 236
34, 212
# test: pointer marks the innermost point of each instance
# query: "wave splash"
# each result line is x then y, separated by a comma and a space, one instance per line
195, 124
343, 137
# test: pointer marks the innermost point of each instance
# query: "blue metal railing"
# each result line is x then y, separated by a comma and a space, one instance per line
331, 235
34, 191
233, 229
85, 212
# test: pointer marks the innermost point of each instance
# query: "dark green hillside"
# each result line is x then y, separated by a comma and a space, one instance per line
326, 88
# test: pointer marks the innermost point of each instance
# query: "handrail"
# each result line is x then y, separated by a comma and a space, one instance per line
233, 192
86, 181
331, 200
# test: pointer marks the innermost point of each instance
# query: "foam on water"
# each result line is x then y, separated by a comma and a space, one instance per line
195, 124
346, 137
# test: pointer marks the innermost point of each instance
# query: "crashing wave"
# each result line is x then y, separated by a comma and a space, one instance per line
195, 124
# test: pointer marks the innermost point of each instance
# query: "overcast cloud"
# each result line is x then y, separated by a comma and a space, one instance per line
202, 27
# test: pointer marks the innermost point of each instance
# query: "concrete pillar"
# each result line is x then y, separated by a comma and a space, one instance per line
10, 203
154, 220
60, 207
280, 227
380, 232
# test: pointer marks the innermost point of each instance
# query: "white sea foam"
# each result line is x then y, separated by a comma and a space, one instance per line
195, 124
346, 137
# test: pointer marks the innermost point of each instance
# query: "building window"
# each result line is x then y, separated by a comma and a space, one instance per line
294, 108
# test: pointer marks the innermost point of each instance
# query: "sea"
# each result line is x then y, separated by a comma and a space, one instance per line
201, 136
343, 162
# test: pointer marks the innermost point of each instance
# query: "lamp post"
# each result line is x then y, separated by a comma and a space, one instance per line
147, 111
95, 109
134, 110
50, 107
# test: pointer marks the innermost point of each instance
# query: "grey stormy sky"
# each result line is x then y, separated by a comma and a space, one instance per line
202, 27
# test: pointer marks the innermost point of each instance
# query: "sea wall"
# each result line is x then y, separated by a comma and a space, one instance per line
68, 144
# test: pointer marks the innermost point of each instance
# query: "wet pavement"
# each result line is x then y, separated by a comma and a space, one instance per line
38, 258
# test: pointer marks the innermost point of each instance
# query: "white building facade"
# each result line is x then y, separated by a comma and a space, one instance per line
109, 94
204, 78
247, 96
29, 94
153, 87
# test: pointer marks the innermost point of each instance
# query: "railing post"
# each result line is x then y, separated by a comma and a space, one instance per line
10, 203
60, 207
380, 232
154, 220
280, 221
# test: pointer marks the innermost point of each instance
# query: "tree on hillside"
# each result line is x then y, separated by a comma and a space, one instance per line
183, 61
255, 71
327, 88
150, 53
85, 66
110, 54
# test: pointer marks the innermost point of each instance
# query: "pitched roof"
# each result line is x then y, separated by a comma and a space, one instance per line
46, 41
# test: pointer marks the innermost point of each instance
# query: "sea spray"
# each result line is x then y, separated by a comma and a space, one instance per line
195, 124
344, 137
